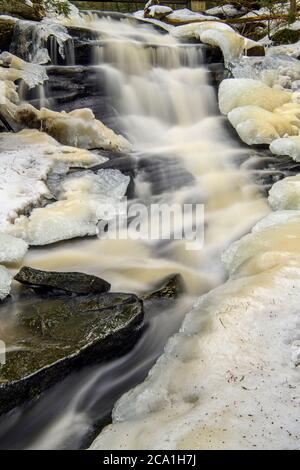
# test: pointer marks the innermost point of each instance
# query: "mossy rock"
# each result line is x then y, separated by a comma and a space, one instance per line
286, 36
6, 33
57, 336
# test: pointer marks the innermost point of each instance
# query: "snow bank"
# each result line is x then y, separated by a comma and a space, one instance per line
5, 282
12, 250
285, 195
84, 199
289, 146
78, 128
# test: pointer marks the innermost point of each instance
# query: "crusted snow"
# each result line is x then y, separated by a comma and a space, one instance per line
5, 282
185, 14
12, 250
84, 200
231, 43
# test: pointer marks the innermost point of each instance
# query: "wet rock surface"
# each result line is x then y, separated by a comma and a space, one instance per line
77, 283
58, 336
6, 33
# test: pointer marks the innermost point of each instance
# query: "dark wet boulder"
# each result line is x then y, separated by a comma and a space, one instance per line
58, 336
73, 283
169, 289
21, 9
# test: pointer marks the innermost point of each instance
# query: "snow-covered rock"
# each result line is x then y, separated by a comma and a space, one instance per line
224, 11
12, 250
288, 146
231, 43
157, 11
193, 30
185, 15
84, 200
227, 380
5, 282
13, 68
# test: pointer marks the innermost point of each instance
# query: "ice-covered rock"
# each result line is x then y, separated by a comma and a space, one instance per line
13, 68
8, 92
256, 126
285, 195
288, 146
224, 11
12, 250
5, 282
78, 128
84, 200
234, 93
193, 30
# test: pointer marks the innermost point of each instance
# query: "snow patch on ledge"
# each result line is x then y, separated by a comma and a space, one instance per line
5, 282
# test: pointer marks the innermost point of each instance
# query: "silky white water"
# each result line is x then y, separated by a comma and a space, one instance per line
167, 109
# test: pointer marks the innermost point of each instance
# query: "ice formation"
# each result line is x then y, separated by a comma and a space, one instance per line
78, 128
234, 93
193, 30
186, 15
84, 200
12, 250
231, 43
229, 11
285, 195
256, 126
289, 146
27, 158
5, 282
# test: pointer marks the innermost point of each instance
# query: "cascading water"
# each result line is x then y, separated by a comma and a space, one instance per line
164, 104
